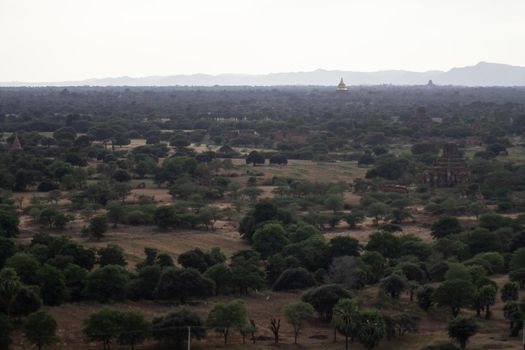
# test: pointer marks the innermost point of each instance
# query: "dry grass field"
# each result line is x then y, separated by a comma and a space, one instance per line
134, 239
264, 304
307, 170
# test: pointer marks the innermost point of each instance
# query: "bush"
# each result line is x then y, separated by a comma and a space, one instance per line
444, 226
385, 243
183, 284
462, 328
412, 271
437, 271
425, 296
98, 225
107, 283
394, 285
40, 329
496, 261
136, 218
324, 298
270, 239
294, 278
172, 328
27, 301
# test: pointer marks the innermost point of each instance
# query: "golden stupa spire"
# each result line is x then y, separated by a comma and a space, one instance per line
342, 85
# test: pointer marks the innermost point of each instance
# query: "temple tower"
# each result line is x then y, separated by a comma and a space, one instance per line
15, 146
342, 86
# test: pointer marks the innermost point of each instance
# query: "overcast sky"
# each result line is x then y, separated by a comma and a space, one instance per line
56, 40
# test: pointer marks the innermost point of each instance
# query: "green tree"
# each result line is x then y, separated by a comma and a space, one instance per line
269, 239
121, 175
246, 273
345, 315
134, 329
26, 267
208, 216
424, 295
52, 285
98, 225
343, 245
7, 249
370, 329
27, 301
10, 286
222, 276
445, 226
405, 322
75, 280
334, 203
255, 158
294, 278
112, 254
394, 285
378, 211
296, 314
385, 243
517, 260
324, 298
40, 329
223, 317
376, 265
252, 192
263, 211
107, 283
456, 294
195, 259
487, 297
492, 221
47, 216
165, 216
144, 284
9, 222
353, 219
165, 260
518, 276
115, 212
457, 271
103, 326
462, 328
182, 284
513, 314
172, 329
510, 291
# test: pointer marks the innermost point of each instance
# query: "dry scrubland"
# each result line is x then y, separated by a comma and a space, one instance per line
263, 304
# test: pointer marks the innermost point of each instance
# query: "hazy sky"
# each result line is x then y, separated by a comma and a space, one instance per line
54, 40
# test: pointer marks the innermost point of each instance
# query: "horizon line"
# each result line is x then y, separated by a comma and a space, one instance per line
43, 83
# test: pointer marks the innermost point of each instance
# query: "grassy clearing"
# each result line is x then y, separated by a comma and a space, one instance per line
134, 239
307, 170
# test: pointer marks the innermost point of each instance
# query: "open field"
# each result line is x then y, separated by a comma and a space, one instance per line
307, 170
134, 239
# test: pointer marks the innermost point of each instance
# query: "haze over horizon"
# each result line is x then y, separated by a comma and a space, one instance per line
60, 40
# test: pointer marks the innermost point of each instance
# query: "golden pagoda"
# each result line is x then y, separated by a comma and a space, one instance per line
342, 86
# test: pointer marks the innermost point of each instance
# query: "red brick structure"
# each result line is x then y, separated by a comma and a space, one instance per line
448, 170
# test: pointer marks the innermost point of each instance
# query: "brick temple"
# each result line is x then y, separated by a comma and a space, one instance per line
449, 170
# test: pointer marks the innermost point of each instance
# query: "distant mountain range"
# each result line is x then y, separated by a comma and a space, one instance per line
482, 74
